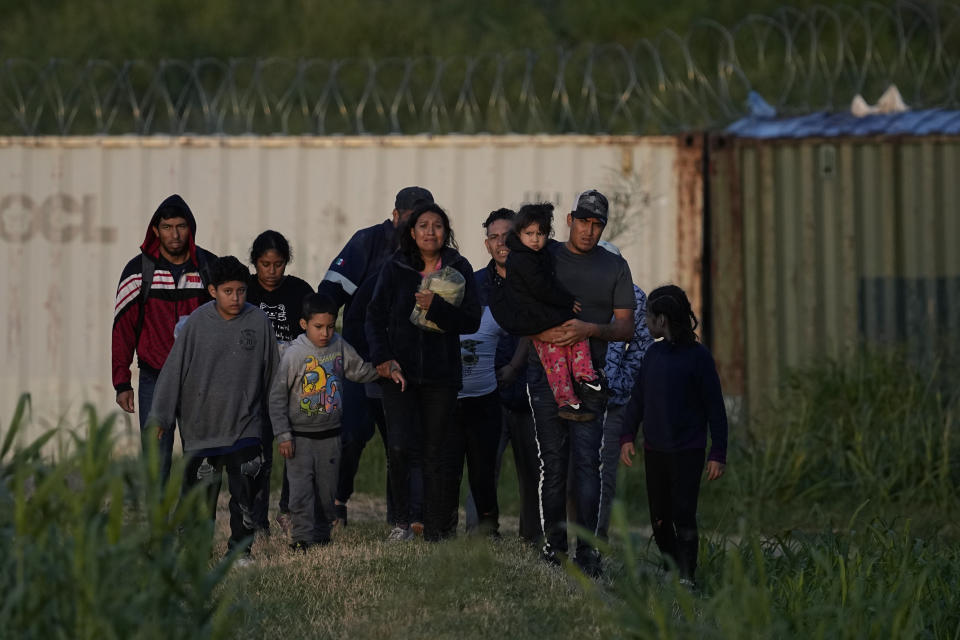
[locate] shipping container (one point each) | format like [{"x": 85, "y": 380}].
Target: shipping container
[
  {"x": 74, "y": 210},
  {"x": 821, "y": 245}
]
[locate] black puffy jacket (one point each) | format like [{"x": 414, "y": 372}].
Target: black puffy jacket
[{"x": 426, "y": 357}]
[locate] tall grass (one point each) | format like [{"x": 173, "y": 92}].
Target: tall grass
[
  {"x": 873, "y": 428},
  {"x": 875, "y": 581},
  {"x": 93, "y": 547}
]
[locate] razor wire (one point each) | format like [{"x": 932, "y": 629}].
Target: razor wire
[{"x": 798, "y": 60}]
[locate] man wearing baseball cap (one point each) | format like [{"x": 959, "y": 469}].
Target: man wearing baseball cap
[{"x": 601, "y": 283}]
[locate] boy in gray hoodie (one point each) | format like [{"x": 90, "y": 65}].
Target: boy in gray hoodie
[
  {"x": 306, "y": 402},
  {"x": 216, "y": 380}
]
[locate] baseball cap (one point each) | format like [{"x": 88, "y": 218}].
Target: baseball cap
[
  {"x": 412, "y": 197},
  {"x": 591, "y": 204}
]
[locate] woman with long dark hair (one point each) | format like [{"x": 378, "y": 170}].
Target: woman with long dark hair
[{"x": 416, "y": 330}]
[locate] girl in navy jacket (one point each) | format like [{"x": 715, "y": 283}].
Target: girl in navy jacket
[{"x": 677, "y": 396}]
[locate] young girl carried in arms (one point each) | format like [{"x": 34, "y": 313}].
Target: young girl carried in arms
[
  {"x": 677, "y": 396},
  {"x": 534, "y": 301}
]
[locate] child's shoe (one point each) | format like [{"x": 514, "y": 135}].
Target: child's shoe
[
  {"x": 243, "y": 561},
  {"x": 593, "y": 391},
  {"x": 417, "y": 528},
  {"x": 575, "y": 413},
  {"x": 284, "y": 521},
  {"x": 299, "y": 546},
  {"x": 400, "y": 534}
]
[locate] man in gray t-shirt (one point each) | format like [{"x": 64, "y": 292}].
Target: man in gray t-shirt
[{"x": 601, "y": 282}]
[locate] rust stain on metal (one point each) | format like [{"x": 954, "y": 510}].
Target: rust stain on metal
[
  {"x": 726, "y": 265},
  {"x": 688, "y": 169}
]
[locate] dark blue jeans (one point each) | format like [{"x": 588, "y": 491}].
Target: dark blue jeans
[
  {"x": 612, "y": 426},
  {"x": 421, "y": 418},
  {"x": 565, "y": 445},
  {"x": 481, "y": 423},
  {"x": 518, "y": 431},
  {"x": 243, "y": 468},
  {"x": 148, "y": 382}
]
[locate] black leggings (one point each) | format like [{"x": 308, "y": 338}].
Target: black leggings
[{"x": 673, "y": 486}]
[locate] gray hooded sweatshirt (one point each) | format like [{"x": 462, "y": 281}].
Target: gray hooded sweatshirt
[
  {"x": 306, "y": 395},
  {"x": 216, "y": 378}
]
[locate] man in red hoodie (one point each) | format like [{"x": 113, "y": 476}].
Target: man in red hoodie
[{"x": 145, "y": 315}]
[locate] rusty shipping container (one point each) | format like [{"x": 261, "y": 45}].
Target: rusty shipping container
[
  {"x": 820, "y": 245},
  {"x": 74, "y": 210}
]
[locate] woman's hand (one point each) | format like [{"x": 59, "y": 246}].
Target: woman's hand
[
  {"x": 397, "y": 376},
  {"x": 627, "y": 451},
  {"x": 576, "y": 306},
  {"x": 424, "y": 299},
  {"x": 384, "y": 369},
  {"x": 715, "y": 469}
]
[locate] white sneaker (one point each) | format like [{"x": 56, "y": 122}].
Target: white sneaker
[
  {"x": 400, "y": 534},
  {"x": 243, "y": 561}
]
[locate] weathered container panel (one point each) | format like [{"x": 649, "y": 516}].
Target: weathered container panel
[
  {"x": 74, "y": 210},
  {"x": 841, "y": 242}
]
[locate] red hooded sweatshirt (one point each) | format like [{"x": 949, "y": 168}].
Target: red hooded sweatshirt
[{"x": 176, "y": 291}]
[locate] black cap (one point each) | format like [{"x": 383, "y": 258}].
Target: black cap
[
  {"x": 410, "y": 198},
  {"x": 591, "y": 204}
]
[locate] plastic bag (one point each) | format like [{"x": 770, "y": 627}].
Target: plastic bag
[{"x": 449, "y": 284}]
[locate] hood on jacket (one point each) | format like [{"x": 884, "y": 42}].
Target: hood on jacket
[
  {"x": 448, "y": 257},
  {"x": 151, "y": 242}
]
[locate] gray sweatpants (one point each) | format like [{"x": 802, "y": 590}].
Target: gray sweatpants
[{"x": 313, "y": 472}]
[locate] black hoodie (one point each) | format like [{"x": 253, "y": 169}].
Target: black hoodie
[{"x": 176, "y": 290}]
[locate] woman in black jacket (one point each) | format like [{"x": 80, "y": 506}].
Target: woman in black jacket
[{"x": 430, "y": 361}]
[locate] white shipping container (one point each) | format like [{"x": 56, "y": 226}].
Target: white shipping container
[{"x": 73, "y": 211}]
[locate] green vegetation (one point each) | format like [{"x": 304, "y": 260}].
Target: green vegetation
[
  {"x": 836, "y": 520},
  {"x": 153, "y": 29},
  {"x": 86, "y": 552}
]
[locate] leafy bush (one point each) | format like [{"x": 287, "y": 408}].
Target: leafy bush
[{"x": 92, "y": 547}]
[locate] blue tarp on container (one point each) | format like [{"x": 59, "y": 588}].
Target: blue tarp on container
[{"x": 925, "y": 122}]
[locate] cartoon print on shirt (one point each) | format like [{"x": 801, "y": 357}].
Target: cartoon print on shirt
[
  {"x": 320, "y": 385},
  {"x": 278, "y": 319}
]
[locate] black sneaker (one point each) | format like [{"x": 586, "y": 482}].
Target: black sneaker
[
  {"x": 552, "y": 557},
  {"x": 575, "y": 413},
  {"x": 592, "y": 391},
  {"x": 299, "y": 546},
  {"x": 589, "y": 562}
]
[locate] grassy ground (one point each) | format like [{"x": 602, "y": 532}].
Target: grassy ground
[{"x": 362, "y": 586}]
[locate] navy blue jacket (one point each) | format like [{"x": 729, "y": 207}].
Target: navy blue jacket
[
  {"x": 677, "y": 396},
  {"x": 514, "y": 395},
  {"x": 359, "y": 260},
  {"x": 426, "y": 357}
]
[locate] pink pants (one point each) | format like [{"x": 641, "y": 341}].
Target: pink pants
[{"x": 563, "y": 365}]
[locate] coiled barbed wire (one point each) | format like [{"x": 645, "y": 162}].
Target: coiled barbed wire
[{"x": 799, "y": 61}]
